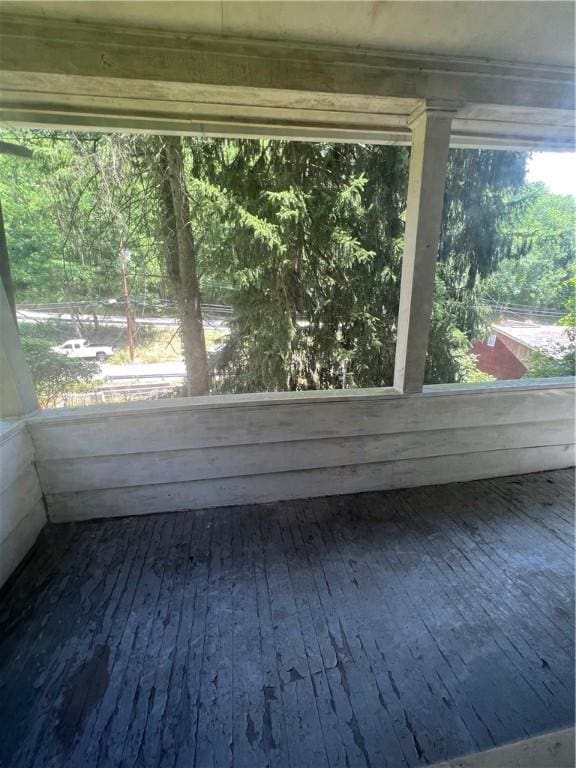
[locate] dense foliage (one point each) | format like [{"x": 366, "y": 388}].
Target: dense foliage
[
  {"x": 67, "y": 212},
  {"x": 483, "y": 198},
  {"x": 562, "y": 364},
  {"x": 563, "y": 361},
  {"x": 542, "y": 253},
  {"x": 304, "y": 240},
  {"x": 52, "y": 373},
  {"x": 311, "y": 239}
]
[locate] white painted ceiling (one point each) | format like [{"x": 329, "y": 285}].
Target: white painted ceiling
[{"x": 513, "y": 30}]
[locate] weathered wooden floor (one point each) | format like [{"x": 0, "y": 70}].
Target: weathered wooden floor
[{"x": 383, "y": 629}]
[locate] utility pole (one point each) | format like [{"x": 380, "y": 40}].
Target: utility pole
[{"x": 124, "y": 259}]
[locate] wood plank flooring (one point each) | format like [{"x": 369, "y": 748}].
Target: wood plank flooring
[{"x": 383, "y": 629}]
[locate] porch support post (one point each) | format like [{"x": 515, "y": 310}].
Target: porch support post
[
  {"x": 430, "y": 125},
  {"x": 17, "y": 391}
]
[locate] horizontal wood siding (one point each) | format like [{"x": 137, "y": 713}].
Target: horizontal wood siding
[
  {"x": 146, "y": 499},
  {"x": 22, "y": 514},
  {"x": 15, "y": 547},
  {"x": 16, "y": 453},
  {"x": 201, "y": 453},
  {"x": 127, "y": 430},
  {"x": 154, "y": 467}
]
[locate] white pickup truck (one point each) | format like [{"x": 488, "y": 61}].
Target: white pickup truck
[{"x": 81, "y": 348}]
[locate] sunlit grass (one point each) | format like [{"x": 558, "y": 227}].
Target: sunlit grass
[{"x": 162, "y": 346}]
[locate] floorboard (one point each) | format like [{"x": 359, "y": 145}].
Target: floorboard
[{"x": 384, "y": 629}]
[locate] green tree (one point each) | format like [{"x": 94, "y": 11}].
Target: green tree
[
  {"x": 542, "y": 253},
  {"x": 68, "y": 209},
  {"x": 31, "y": 230},
  {"x": 563, "y": 363},
  {"x": 54, "y": 374},
  {"x": 563, "y": 360},
  {"x": 483, "y": 198},
  {"x": 311, "y": 240},
  {"x": 180, "y": 251},
  {"x": 303, "y": 239}
]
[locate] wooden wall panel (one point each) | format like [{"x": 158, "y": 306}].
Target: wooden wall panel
[
  {"x": 252, "y": 489},
  {"x": 143, "y": 458},
  {"x": 22, "y": 513},
  {"x": 157, "y": 467},
  {"x": 15, "y": 547},
  {"x": 184, "y": 425},
  {"x": 17, "y": 500},
  {"x": 16, "y": 451}
]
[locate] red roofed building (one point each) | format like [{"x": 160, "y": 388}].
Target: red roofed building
[
  {"x": 506, "y": 354},
  {"x": 497, "y": 360}
]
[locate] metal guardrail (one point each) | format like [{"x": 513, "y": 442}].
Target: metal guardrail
[
  {"x": 136, "y": 376},
  {"x": 67, "y": 307}
]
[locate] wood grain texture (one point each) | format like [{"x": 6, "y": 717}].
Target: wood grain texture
[
  {"x": 180, "y": 425},
  {"x": 16, "y": 451},
  {"x": 86, "y": 77},
  {"x": 431, "y": 128},
  {"x": 18, "y": 499},
  {"x": 151, "y": 468},
  {"x": 249, "y": 489},
  {"x": 22, "y": 513},
  {"x": 394, "y": 629},
  {"x": 17, "y": 543},
  {"x": 217, "y": 451}
]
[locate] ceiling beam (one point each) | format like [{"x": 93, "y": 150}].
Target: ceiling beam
[{"x": 70, "y": 74}]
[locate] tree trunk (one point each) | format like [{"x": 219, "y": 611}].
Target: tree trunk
[
  {"x": 77, "y": 324},
  {"x": 180, "y": 253}
]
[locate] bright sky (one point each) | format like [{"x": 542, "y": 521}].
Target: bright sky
[{"x": 556, "y": 169}]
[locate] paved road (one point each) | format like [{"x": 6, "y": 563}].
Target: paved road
[{"x": 37, "y": 316}]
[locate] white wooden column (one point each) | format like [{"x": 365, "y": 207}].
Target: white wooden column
[
  {"x": 17, "y": 392},
  {"x": 430, "y": 127}
]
